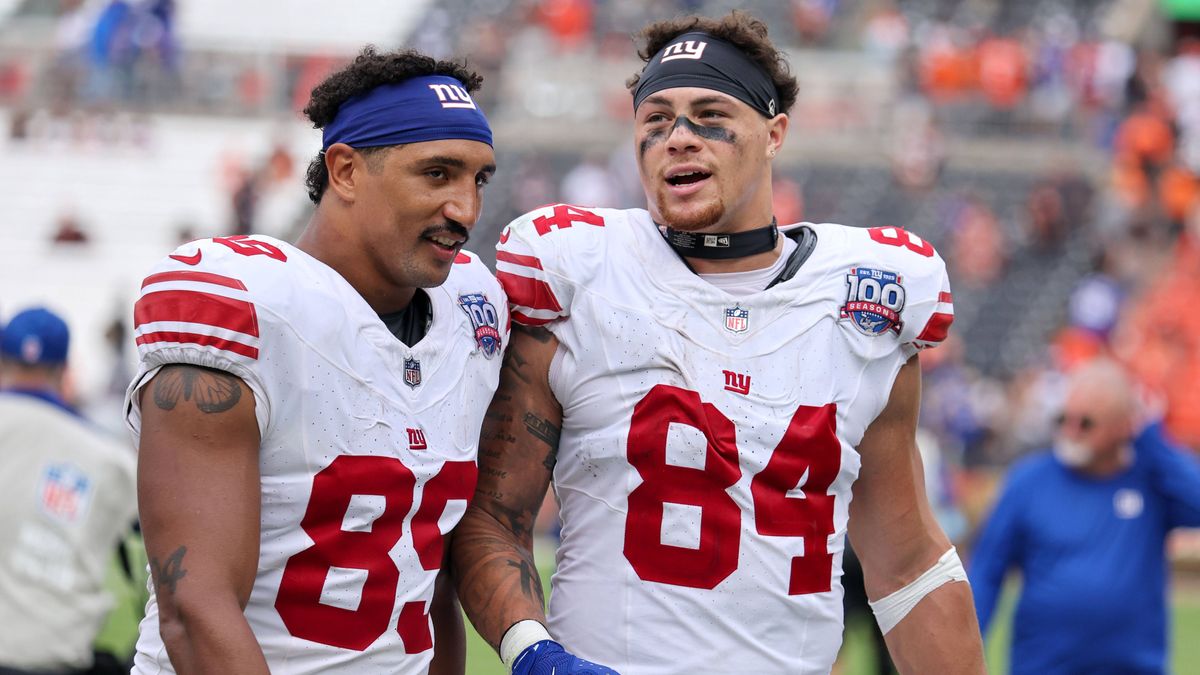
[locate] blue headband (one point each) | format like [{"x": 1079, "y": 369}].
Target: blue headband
[{"x": 430, "y": 108}]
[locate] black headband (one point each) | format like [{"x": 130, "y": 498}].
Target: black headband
[{"x": 701, "y": 60}]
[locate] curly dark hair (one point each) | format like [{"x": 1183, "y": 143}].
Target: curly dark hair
[
  {"x": 371, "y": 69},
  {"x": 737, "y": 28}
]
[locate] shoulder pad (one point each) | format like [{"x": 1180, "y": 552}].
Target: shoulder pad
[{"x": 545, "y": 253}]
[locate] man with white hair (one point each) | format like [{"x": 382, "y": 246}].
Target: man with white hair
[{"x": 1085, "y": 524}]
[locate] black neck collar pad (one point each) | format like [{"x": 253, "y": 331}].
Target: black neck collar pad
[{"x": 723, "y": 246}]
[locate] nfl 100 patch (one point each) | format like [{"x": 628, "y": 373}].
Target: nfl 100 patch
[
  {"x": 874, "y": 300},
  {"x": 412, "y": 373},
  {"x": 485, "y": 321},
  {"x": 65, "y": 492}
]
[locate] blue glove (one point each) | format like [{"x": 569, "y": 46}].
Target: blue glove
[{"x": 549, "y": 658}]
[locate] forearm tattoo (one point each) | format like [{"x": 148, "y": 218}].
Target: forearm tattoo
[{"x": 168, "y": 573}]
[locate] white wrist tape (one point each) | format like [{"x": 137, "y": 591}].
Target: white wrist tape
[
  {"x": 519, "y": 636},
  {"x": 891, "y": 609}
]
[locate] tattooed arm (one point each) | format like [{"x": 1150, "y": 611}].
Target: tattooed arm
[
  {"x": 198, "y": 496},
  {"x": 492, "y": 549}
]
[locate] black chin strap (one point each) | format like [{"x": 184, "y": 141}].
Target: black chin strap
[{"x": 723, "y": 246}]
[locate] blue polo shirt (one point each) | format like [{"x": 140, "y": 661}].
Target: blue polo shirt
[{"x": 1091, "y": 555}]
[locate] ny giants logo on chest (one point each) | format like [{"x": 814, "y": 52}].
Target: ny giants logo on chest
[
  {"x": 484, "y": 320},
  {"x": 874, "y": 300}
]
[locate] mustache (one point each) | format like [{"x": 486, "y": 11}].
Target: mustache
[{"x": 451, "y": 227}]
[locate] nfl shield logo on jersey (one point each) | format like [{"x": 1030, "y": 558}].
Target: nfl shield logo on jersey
[
  {"x": 485, "y": 321},
  {"x": 737, "y": 319},
  {"x": 64, "y": 492},
  {"x": 412, "y": 372},
  {"x": 874, "y": 299}
]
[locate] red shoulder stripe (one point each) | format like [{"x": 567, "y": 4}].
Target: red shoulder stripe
[
  {"x": 937, "y": 328},
  {"x": 201, "y": 277},
  {"x": 518, "y": 259},
  {"x": 198, "y": 339},
  {"x": 195, "y": 307},
  {"x": 945, "y": 297},
  {"x": 526, "y": 292}
]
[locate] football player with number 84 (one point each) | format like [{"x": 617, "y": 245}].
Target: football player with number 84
[{"x": 718, "y": 402}]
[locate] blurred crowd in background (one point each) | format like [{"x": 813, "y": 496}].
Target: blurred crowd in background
[{"x": 1049, "y": 148}]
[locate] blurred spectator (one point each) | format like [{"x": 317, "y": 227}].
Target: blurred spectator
[
  {"x": 812, "y": 18},
  {"x": 885, "y": 33},
  {"x": 69, "y": 231},
  {"x": 1181, "y": 77},
  {"x": 1003, "y": 71},
  {"x": 1145, "y": 136},
  {"x": 1095, "y": 304},
  {"x": 68, "y": 500},
  {"x": 979, "y": 250},
  {"x": 1047, "y": 225},
  {"x": 243, "y": 202},
  {"x": 569, "y": 21},
  {"x": 787, "y": 200},
  {"x": 1086, "y": 525},
  {"x": 1162, "y": 342},
  {"x": 918, "y": 152}
]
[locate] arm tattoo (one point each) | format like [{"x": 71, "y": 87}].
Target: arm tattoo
[
  {"x": 545, "y": 431},
  {"x": 167, "y": 574},
  {"x": 542, "y": 429},
  {"x": 531, "y": 583},
  {"x": 213, "y": 391}
]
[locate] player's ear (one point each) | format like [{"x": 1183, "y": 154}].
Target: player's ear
[
  {"x": 777, "y": 128},
  {"x": 343, "y": 165}
]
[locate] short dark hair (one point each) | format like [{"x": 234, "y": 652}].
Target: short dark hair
[
  {"x": 741, "y": 30},
  {"x": 371, "y": 69}
]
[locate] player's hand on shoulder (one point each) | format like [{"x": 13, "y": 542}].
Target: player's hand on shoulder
[{"x": 547, "y": 657}]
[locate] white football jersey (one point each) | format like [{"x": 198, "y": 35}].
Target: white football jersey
[
  {"x": 368, "y": 446},
  {"x": 708, "y": 441}
]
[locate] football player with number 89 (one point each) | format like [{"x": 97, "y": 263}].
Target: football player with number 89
[
  {"x": 308, "y": 416},
  {"x": 717, "y": 401}
]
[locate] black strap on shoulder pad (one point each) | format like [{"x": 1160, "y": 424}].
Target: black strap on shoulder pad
[{"x": 806, "y": 241}]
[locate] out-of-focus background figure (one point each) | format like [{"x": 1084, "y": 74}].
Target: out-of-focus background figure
[
  {"x": 67, "y": 502},
  {"x": 1086, "y": 524},
  {"x": 1048, "y": 148}
]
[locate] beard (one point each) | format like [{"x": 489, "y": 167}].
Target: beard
[
  {"x": 687, "y": 218},
  {"x": 1072, "y": 453}
]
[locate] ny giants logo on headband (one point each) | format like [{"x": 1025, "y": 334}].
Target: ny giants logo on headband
[
  {"x": 688, "y": 49},
  {"x": 453, "y": 96}
]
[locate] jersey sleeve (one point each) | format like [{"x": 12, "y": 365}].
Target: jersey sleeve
[
  {"x": 928, "y": 306},
  {"x": 197, "y": 308},
  {"x": 530, "y": 262},
  {"x": 932, "y": 309}
]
